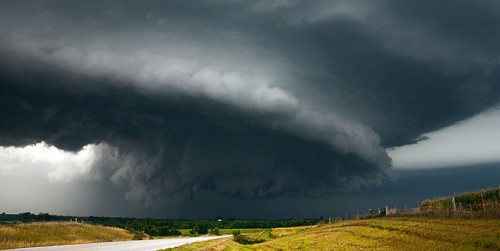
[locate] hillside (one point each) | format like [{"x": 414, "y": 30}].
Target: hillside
[
  {"x": 53, "y": 233},
  {"x": 390, "y": 233}
]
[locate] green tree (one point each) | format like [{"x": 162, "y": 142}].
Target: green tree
[
  {"x": 201, "y": 227},
  {"x": 149, "y": 226},
  {"x": 215, "y": 231}
]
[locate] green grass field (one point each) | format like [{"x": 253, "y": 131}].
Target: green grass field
[
  {"x": 390, "y": 233},
  {"x": 53, "y": 233}
]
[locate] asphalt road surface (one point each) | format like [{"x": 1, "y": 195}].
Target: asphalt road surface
[{"x": 144, "y": 245}]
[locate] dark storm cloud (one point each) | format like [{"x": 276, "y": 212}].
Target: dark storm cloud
[
  {"x": 402, "y": 68},
  {"x": 244, "y": 99},
  {"x": 169, "y": 150}
]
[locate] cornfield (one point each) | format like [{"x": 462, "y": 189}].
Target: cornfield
[{"x": 483, "y": 200}]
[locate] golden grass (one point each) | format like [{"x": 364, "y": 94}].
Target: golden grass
[
  {"x": 54, "y": 233},
  {"x": 283, "y": 231},
  {"x": 377, "y": 234},
  {"x": 212, "y": 245}
]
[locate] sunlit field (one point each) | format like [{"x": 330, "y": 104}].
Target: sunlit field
[
  {"x": 392, "y": 233},
  {"x": 54, "y": 233}
]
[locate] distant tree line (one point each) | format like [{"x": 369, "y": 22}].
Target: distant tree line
[
  {"x": 198, "y": 226},
  {"x": 29, "y": 217},
  {"x": 151, "y": 227},
  {"x": 161, "y": 227}
]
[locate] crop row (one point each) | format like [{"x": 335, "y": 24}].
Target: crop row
[{"x": 471, "y": 201}]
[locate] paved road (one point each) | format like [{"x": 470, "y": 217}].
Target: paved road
[{"x": 144, "y": 245}]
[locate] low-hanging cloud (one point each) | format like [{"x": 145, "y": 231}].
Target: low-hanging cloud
[{"x": 246, "y": 100}]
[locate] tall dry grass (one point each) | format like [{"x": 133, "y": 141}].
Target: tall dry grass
[
  {"x": 57, "y": 233},
  {"x": 487, "y": 200}
]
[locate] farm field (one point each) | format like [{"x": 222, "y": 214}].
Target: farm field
[
  {"x": 53, "y": 233},
  {"x": 390, "y": 233}
]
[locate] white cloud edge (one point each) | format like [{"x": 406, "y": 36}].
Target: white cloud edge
[
  {"x": 475, "y": 140},
  {"x": 55, "y": 164}
]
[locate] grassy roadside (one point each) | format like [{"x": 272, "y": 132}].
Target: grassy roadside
[
  {"x": 402, "y": 233},
  {"x": 54, "y": 233}
]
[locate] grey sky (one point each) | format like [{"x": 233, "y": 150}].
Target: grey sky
[{"x": 163, "y": 102}]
